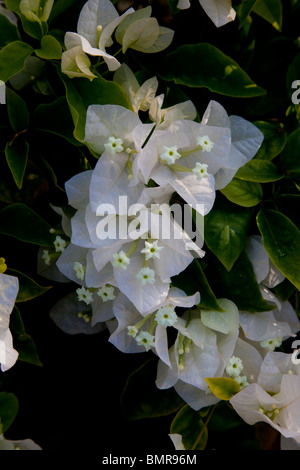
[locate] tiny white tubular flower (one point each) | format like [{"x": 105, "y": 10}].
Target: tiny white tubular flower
[
  {"x": 169, "y": 155},
  {"x": 152, "y": 250},
  {"x": 114, "y": 145},
  {"x": 205, "y": 142},
  {"x": 132, "y": 331},
  {"x": 166, "y": 316},
  {"x": 271, "y": 344},
  {"x": 144, "y": 338},
  {"x": 84, "y": 295},
  {"x": 120, "y": 260},
  {"x": 146, "y": 276},
  {"x": 234, "y": 367},
  {"x": 59, "y": 243},
  {"x": 106, "y": 293},
  {"x": 79, "y": 270},
  {"x": 200, "y": 170},
  {"x": 140, "y": 32},
  {"x": 46, "y": 257}
]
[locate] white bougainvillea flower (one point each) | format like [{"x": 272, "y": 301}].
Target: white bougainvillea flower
[
  {"x": 280, "y": 410},
  {"x": 140, "y": 97},
  {"x": 273, "y": 367},
  {"x": 219, "y": 11},
  {"x": 177, "y": 441},
  {"x": 246, "y": 140},
  {"x": 140, "y": 32},
  {"x": 75, "y": 63},
  {"x": 24, "y": 444},
  {"x": 164, "y": 117},
  {"x": 9, "y": 287},
  {"x": 156, "y": 323}
]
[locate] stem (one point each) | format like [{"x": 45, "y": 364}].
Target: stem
[{"x": 204, "y": 428}]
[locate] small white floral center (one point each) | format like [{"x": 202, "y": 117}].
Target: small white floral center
[
  {"x": 234, "y": 366},
  {"x": 132, "y": 331},
  {"x": 59, "y": 243},
  {"x": 242, "y": 381},
  {"x": 271, "y": 343},
  {"x": 106, "y": 293},
  {"x": 114, "y": 145},
  {"x": 146, "y": 276},
  {"x": 84, "y": 295},
  {"x": 200, "y": 170},
  {"x": 151, "y": 250},
  {"x": 205, "y": 142},
  {"x": 170, "y": 155},
  {"x": 144, "y": 338},
  {"x": 166, "y": 316},
  {"x": 120, "y": 260},
  {"x": 79, "y": 270}
]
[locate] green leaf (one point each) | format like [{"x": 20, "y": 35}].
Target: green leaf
[
  {"x": 223, "y": 387},
  {"x": 50, "y": 48},
  {"x": 17, "y": 111},
  {"x": 28, "y": 288},
  {"x": 8, "y": 32},
  {"x": 16, "y": 153},
  {"x": 259, "y": 171},
  {"x": 192, "y": 280},
  {"x": 12, "y": 58},
  {"x": 290, "y": 155},
  {"x": 55, "y": 118},
  {"x": 226, "y": 227},
  {"x": 81, "y": 94},
  {"x": 19, "y": 221},
  {"x": 271, "y": 11},
  {"x": 275, "y": 138},
  {"x": 203, "y": 65},
  {"x": 34, "y": 29},
  {"x": 142, "y": 399},
  {"x": 243, "y": 193},
  {"x": 239, "y": 284},
  {"x": 243, "y": 10},
  {"x": 189, "y": 424},
  {"x": 9, "y": 407},
  {"x": 23, "y": 342},
  {"x": 281, "y": 240}
]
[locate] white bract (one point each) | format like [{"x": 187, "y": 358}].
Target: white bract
[
  {"x": 219, "y": 11},
  {"x": 9, "y": 287}
]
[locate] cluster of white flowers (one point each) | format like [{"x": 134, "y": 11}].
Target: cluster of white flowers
[
  {"x": 98, "y": 21},
  {"x": 9, "y": 287}
]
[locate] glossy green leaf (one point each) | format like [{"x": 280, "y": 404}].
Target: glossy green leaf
[
  {"x": 290, "y": 155},
  {"x": 271, "y": 11},
  {"x": 12, "y": 58},
  {"x": 80, "y": 96},
  {"x": 203, "y": 65},
  {"x": 275, "y": 138},
  {"x": 243, "y": 10},
  {"x": 223, "y": 387},
  {"x": 243, "y": 193},
  {"x": 226, "y": 227},
  {"x": 239, "y": 284},
  {"x": 19, "y": 221},
  {"x": 16, "y": 153},
  {"x": 193, "y": 280},
  {"x": 17, "y": 111},
  {"x": 142, "y": 399},
  {"x": 9, "y": 407},
  {"x": 8, "y": 32},
  {"x": 23, "y": 342},
  {"x": 28, "y": 288},
  {"x": 281, "y": 240},
  {"x": 259, "y": 171},
  {"x": 50, "y": 48},
  {"x": 189, "y": 424}
]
